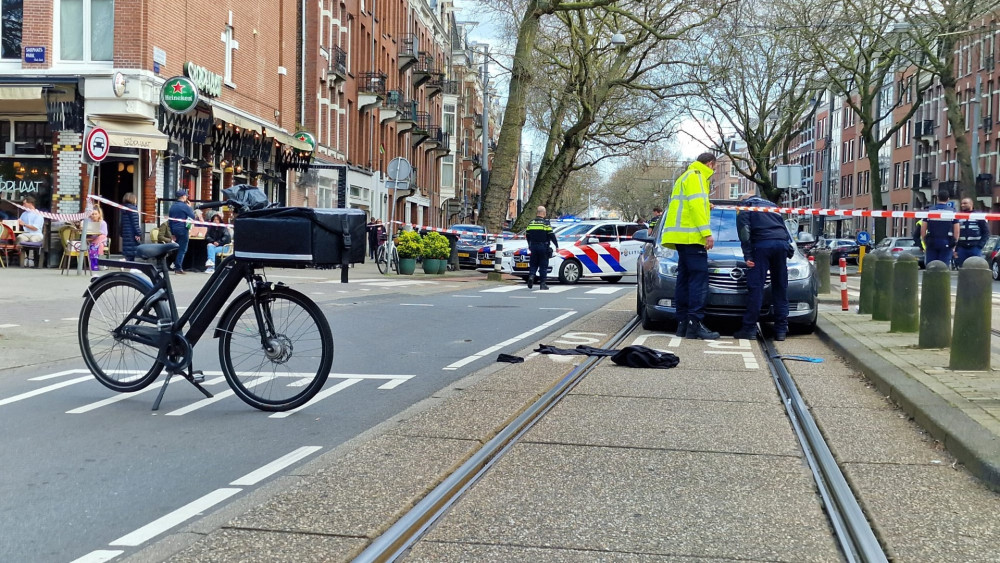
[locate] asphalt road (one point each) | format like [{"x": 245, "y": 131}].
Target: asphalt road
[{"x": 86, "y": 468}]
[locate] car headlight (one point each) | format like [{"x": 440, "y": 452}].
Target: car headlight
[
  {"x": 668, "y": 268},
  {"x": 798, "y": 271}
]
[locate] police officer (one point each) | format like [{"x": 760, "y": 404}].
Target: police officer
[
  {"x": 657, "y": 215},
  {"x": 539, "y": 234},
  {"x": 767, "y": 246},
  {"x": 972, "y": 235},
  {"x": 687, "y": 229},
  {"x": 939, "y": 235}
]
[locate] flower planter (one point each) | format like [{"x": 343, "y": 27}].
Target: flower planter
[
  {"x": 431, "y": 265},
  {"x": 407, "y": 266},
  {"x": 443, "y": 267}
]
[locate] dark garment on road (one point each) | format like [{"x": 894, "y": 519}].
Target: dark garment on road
[
  {"x": 769, "y": 256},
  {"x": 130, "y": 230},
  {"x": 692, "y": 282},
  {"x": 631, "y": 356}
]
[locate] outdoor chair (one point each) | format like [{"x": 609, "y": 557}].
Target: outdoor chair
[{"x": 8, "y": 243}]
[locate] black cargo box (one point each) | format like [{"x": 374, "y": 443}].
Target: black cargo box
[{"x": 300, "y": 236}]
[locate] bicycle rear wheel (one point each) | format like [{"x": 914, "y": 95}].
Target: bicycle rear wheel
[
  {"x": 395, "y": 260},
  {"x": 120, "y": 364},
  {"x": 292, "y": 363},
  {"x": 381, "y": 261}
]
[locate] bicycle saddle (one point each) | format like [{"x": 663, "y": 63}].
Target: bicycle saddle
[{"x": 154, "y": 251}]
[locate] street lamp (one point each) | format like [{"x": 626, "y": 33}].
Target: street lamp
[{"x": 618, "y": 39}]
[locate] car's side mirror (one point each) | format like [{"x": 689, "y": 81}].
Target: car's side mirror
[{"x": 643, "y": 236}]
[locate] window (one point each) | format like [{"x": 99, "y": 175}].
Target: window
[
  {"x": 448, "y": 172},
  {"x": 448, "y": 126},
  {"x": 12, "y": 14},
  {"x": 86, "y": 30}
]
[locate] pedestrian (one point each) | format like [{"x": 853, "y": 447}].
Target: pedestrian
[
  {"x": 372, "y": 230},
  {"x": 539, "y": 234},
  {"x": 657, "y": 214},
  {"x": 972, "y": 235},
  {"x": 131, "y": 227},
  {"x": 767, "y": 246},
  {"x": 181, "y": 215},
  {"x": 939, "y": 235},
  {"x": 687, "y": 230}
]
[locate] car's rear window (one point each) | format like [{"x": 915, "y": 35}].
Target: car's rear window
[{"x": 904, "y": 242}]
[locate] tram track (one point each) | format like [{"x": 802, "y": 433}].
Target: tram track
[{"x": 853, "y": 532}]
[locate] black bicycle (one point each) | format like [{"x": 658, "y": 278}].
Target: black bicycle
[{"x": 275, "y": 344}]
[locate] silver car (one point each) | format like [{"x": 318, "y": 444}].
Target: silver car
[{"x": 727, "y": 287}]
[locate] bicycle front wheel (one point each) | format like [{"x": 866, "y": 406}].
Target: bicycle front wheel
[
  {"x": 120, "y": 364},
  {"x": 381, "y": 260},
  {"x": 281, "y": 365},
  {"x": 395, "y": 260}
]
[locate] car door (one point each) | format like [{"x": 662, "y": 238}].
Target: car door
[{"x": 629, "y": 248}]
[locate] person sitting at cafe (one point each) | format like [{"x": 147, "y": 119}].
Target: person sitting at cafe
[
  {"x": 161, "y": 234},
  {"x": 97, "y": 236},
  {"x": 216, "y": 238},
  {"x": 31, "y": 222}
]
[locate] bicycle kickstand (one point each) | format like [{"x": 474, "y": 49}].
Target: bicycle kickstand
[{"x": 194, "y": 377}]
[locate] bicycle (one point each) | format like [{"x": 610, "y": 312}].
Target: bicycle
[
  {"x": 275, "y": 344},
  {"x": 386, "y": 257}
]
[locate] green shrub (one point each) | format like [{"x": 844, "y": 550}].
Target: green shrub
[
  {"x": 436, "y": 246},
  {"x": 409, "y": 244}
]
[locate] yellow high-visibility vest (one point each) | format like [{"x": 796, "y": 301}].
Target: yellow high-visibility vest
[{"x": 687, "y": 218}]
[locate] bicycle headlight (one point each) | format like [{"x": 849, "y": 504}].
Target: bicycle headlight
[{"x": 798, "y": 270}]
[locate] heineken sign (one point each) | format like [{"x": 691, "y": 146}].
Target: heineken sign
[
  {"x": 179, "y": 95},
  {"x": 207, "y": 81},
  {"x": 307, "y": 138}
]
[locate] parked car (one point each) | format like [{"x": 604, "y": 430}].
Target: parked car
[
  {"x": 839, "y": 248},
  {"x": 472, "y": 239},
  {"x": 991, "y": 252},
  {"x": 894, "y": 246},
  {"x": 727, "y": 287},
  {"x": 589, "y": 249}
]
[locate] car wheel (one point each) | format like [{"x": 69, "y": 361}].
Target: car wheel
[
  {"x": 809, "y": 327},
  {"x": 569, "y": 272},
  {"x": 612, "y": 279},
  {"x": 995, "y": 268}
]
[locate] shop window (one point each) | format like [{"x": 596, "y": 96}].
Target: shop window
[
  {"x": 20, "y": 177},
  {"x": 30, "y": 137},
  {"x": 12, "y": 16},
  {"x": 86, "y": 30}
]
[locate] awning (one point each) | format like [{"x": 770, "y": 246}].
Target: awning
[
  {"x": 132, "y": 134},
  {"x": 246, "y": 123},
  {"x": 21, "y": 100}
]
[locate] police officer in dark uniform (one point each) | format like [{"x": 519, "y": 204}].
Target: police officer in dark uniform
[
  {"x": 539, "y": 234},
  {"x": 939, "y": 235},
  {"x": 972, "y": 235},
  {"x": 767, "y": 246}
]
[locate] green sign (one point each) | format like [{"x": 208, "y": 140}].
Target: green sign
[
  {"x": 307, "y": 138},
  {"x": 207, "y": 81},
  {"x": 179, "y": 95}
]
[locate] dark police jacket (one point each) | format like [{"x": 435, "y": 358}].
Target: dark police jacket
[
  {"x": 755, "y": 226},
  {"x": 973, "y": 233},
  {"x": 939, "y": 230},
  {"x": 539, "y": 231}
]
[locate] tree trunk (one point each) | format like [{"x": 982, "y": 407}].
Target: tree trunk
[
  {"x": 963, "y": 152},
  {"x": 875, "y": 183},
  {"x": 508, "y": 151},
  {"x": 549, "y": 181}
]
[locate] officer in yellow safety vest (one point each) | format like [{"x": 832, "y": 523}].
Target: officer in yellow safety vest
[{"x": 686, "y": 229}]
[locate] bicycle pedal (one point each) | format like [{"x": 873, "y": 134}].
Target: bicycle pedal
[{"x": 198, "y": 376}]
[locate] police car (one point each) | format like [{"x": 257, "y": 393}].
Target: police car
[
  {"x": 487, "y": 256},
  {"x": 589, "y": 249}
]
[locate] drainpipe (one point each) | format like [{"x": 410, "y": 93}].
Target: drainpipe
[{"x": 302, "y": 65}]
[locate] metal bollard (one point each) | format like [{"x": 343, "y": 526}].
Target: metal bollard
[
  {"x": 935, "y": 307},
  {"x": 882, "y": 296},
  {"x": 970, "y": 348},
  {"x": 823, "y": 271},
  {"x": 905, "y": 307},
  {"x": 865, "y": 303}
]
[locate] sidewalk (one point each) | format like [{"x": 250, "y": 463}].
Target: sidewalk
[{"x": 642, "y": 465}]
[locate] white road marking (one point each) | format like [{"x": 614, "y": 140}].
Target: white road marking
[
  {"x": 9, "y": 326},
  {"x": 164, "y": 523},
  {"x": 126, "y": 396},
  {"x": 749, "y": 360},
  {"x": 582, "y": 298},
  {"x": 58, "y": 374},
  {"x": 497, "y": 347},
  {"x": 467, "y": 296},
  {"x": 70, "y": 319},
  {"x": 554, "y": 309},
  {"x": 319, "y": 397},
  {"x": 642, "y": 338},
  {"x": 99, "y": 556},
  {"x": 504, "y": 289},
  {"x": 416, "y": 305},
  {"x": 275, "y": 466},
  {"x": 44, "y": 390},
  {"x": 606, "y": 290},
  {"x": 558, "y": 289}
]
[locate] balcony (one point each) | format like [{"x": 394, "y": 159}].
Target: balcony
[
  {"x": 338, "y": 65},
  {"x": 371, "y": 89},
  {"x": 952, "y": 186},
  {"x": 984, "y": 185},
  {"x": 477, "y": 123},
  {"x": 425, "y": 69},
  {"x": 924, "y": 130},
  {"x": 408, "y": 48},
  {"x": 407, "y": 116},
  {"x": 441, "y": 140},
  {"x": 392, "y": 106},
  {"x": 421, "y": 128},
  {"x": 434, "y": 86},
  {"x": 922, "y": 181},
  {"x": 451, "y": 87}
]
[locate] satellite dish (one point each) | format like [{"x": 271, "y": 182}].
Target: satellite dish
[{"x": 399, "y": 169}]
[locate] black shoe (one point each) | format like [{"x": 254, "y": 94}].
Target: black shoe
[
  {"x": 682, "y": 329},
  {"x": 697, "y": 330},
  {"x": 543, "y": 287},
  {"x": 530, "y": 282},
  {"x": 746, "y": 334},
  {"x": 780, "y": 336}
]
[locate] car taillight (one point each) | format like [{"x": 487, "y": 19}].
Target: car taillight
[{"x": 897, "y": 249}]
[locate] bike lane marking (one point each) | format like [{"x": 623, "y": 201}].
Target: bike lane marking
[
  {"x": 497, "y": 347},
  {"x": 171, "y": 519},
  {"x": 44, "y": 390},
  {"x": 258, "y": 475},
  {"x": 319, "y": 397}
]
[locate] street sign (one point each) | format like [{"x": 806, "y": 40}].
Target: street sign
[
  {"x": 97, "y": 144},
  {"x": 864, "y": 237}
]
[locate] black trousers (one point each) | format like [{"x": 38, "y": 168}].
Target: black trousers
[{"x": 539, "y": 261}]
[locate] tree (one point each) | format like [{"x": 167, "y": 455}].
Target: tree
[{"x": 639, "y": 185}]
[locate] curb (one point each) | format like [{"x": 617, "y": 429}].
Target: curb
[{"x": 967, "y": 440}]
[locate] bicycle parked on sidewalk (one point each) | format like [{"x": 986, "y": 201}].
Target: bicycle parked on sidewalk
[
  {"x": 275, "y": 344},
  {"x": 387, "y": 257}
]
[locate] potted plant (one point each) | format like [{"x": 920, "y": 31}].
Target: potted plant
[
  {"x": 409, "y": 246},
  {"x": 436, "y": 251}
]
